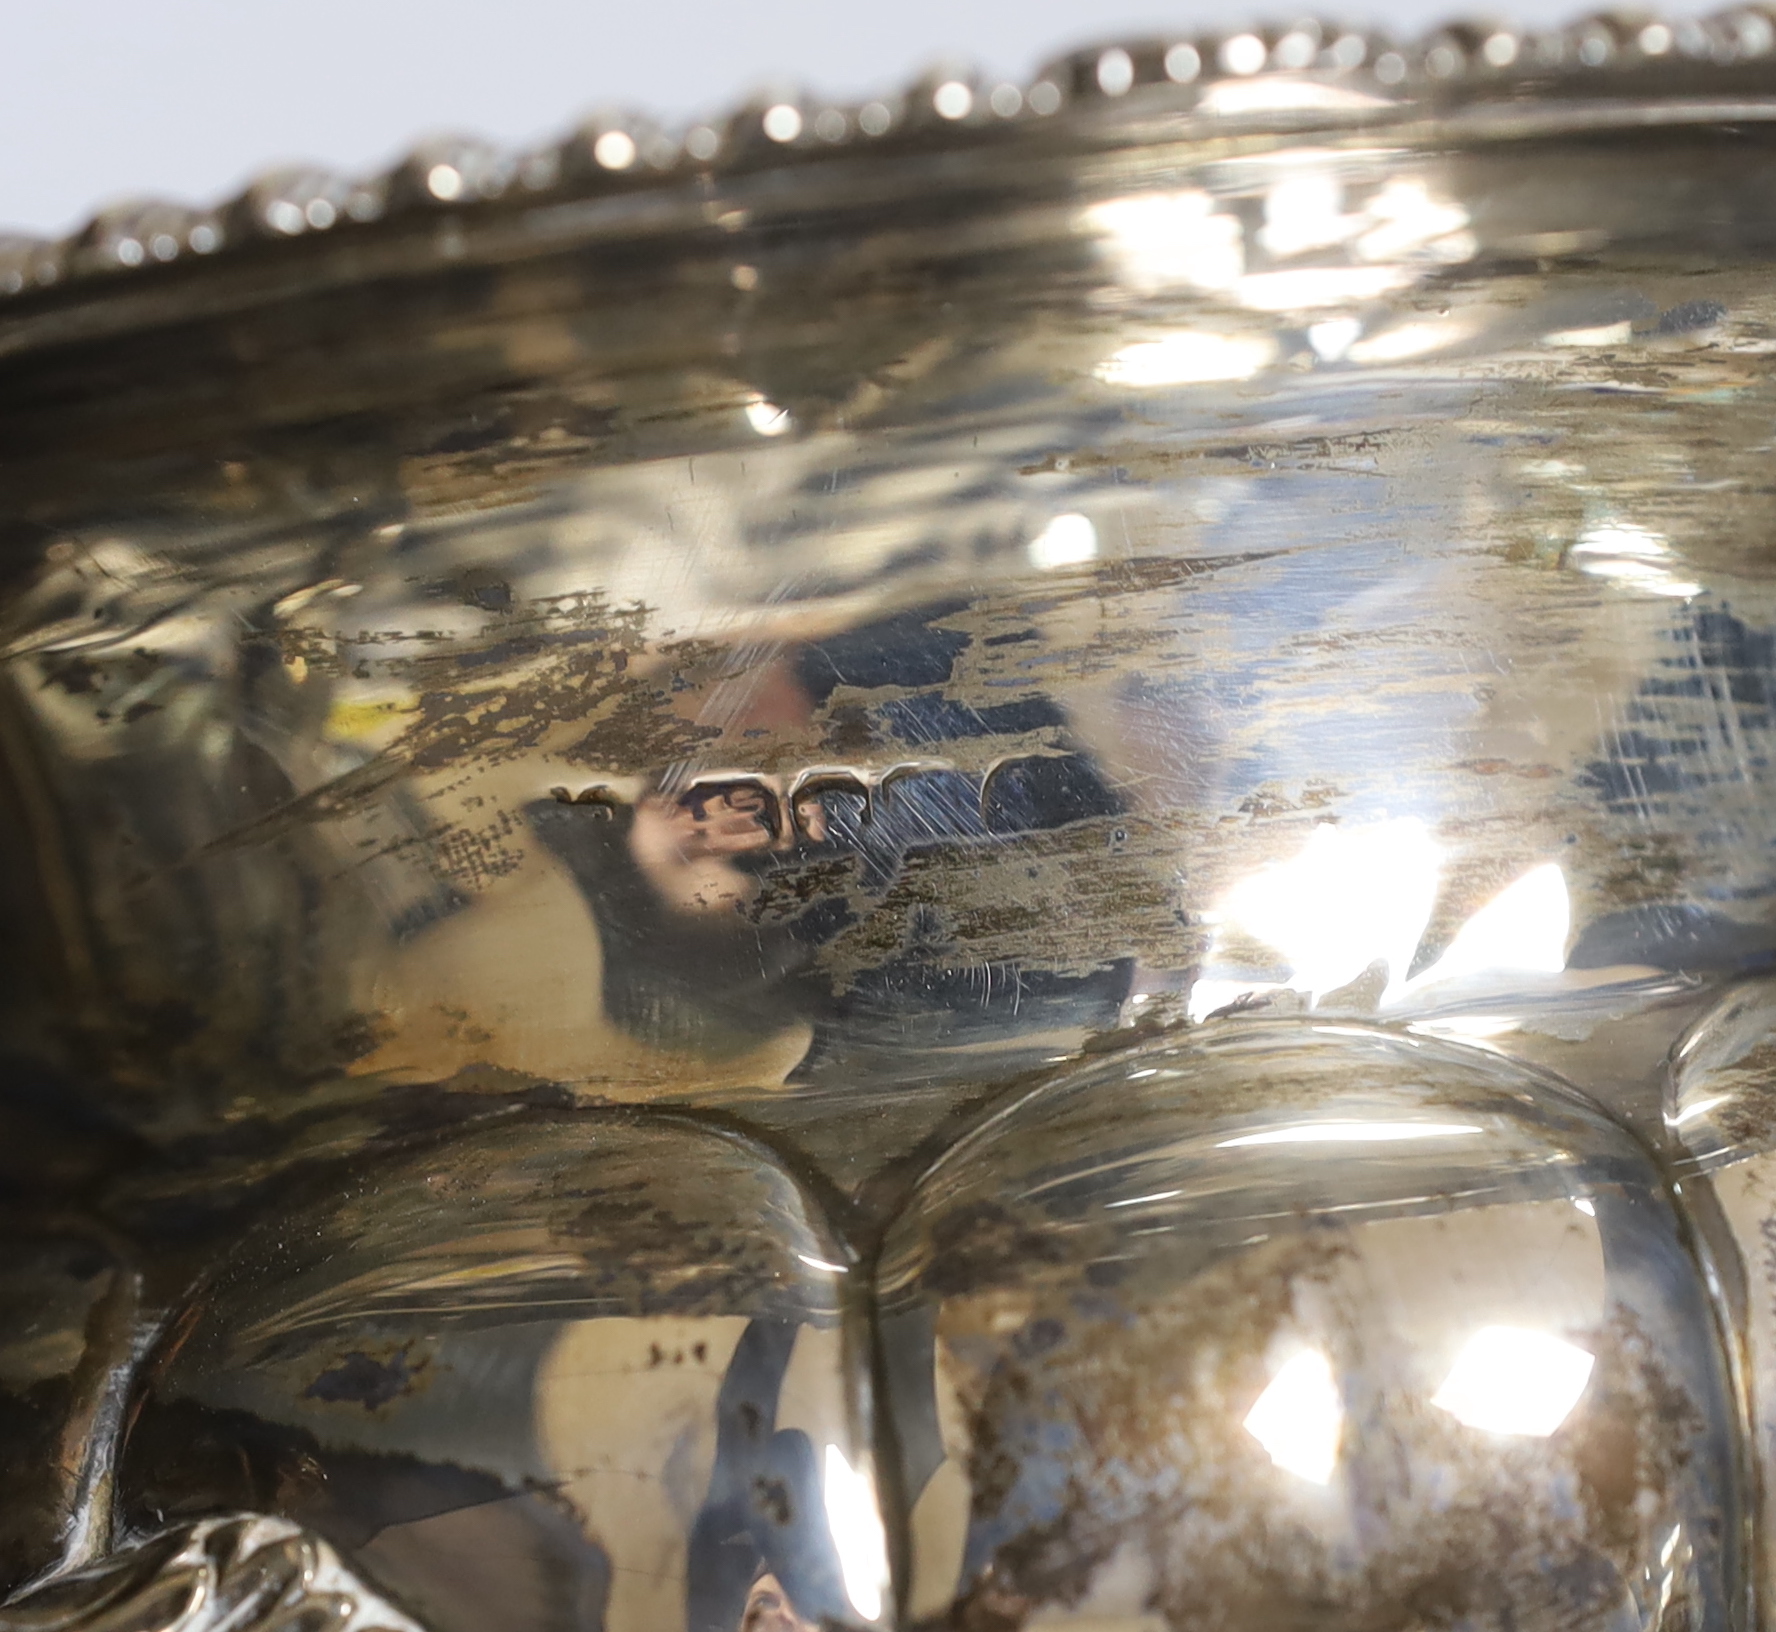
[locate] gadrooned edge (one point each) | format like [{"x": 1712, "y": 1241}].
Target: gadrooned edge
[{"x": 1337, "y": 69}]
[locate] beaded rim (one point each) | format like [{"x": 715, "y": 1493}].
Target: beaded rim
[{"x": 1302, "y": 71}]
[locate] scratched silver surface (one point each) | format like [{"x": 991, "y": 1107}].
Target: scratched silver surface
[{"x": 1021, "y": 879}]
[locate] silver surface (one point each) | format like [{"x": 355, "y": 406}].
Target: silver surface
[{"x": 1007, "y": 875}]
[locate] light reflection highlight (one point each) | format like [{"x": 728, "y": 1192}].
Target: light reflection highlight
[
  {"x": 1472, "y": 1028},
  {"x": 1068, "y": 541},
  {"x": 1182, "y": 64},
  {"x": 1350, "y": 1133},
  {"x": 1351, "y": 898},
  {"x": 1312, "y": 287},
  {"x": 1408, "y": 220},
  {"x": 1303, "y": 212},
  {"x": 1407, "y": 340},
  {"x": 1633, "y": 556},
  {"x": 614, "y": 150},
  {"x": 952, "y": 100},
  {"x": 1168, "y": 240},
  {"x": 1142, "y": 1201},
  {"x": 1701, "y": 1107},
  {"x": 1194, "y": 357},
  {"x": 1299, "y": 1418},
  {"x": 1242, "y": 54},
  {"x": 1332, "y": 338},
  {"x": 1160, "y": 240},
  {"x": 1510, "y": 1380},
  {"x": 1116, "y": 72},
  {"x": 1524, "y": 927},
  {"x": 821, "y": 1263},
  {"x": 1602, "y": 334},
  {"x": 858, "y": 1536},
  {"x": 767, "y": 418},
  {"x": 1350, "y": 910},
  {"x": 782, "y": 122},
  {"x": 1235, "y": 96}
]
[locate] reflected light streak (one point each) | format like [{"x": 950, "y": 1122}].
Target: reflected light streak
[
  {"x": 1523, "y": 927},
  {"x": 1163, "y": 240},
  {"x": 1067, "y": 541},
  {"x": 1303, "y": 212},
  {"x": 1194, "y": 357},
  {"x": 1636, "y": 575},
  {"x": 767, "y": 418},
  {"x": 1701, "y": 1107},
  {"x": 1350, "y": 1133},
  {"x": 857, "y": 1534},
  {"x": 1299, "y": 1418},
  {"x": 1604, "y": 334},
  {"x": 1622, "y": 538},
  {"x": 1274, "y": 95},
  {"x": 1332, "y": 338},
  {"x": 1408, "y": 340},
  {"x": 1408, "y": 219},
  {"x": 1510, "y": 1380},
  {"x": 1630, "y": 555},
  {"x": 1350, "y": 898},
  {"x": 1311, "y": 287},
  {"x": 1475, "y": 1028},
  {"x": 1142, "y": 1201}
]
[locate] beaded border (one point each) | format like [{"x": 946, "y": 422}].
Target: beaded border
[{"x": 1335, "y": 70}]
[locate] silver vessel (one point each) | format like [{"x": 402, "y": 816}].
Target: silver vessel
[{"x": 995, "y": 860}]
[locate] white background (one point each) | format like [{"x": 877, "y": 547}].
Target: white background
[{"x": 106, "y": 99}]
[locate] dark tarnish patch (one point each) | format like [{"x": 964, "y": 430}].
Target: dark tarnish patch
[
  {"x": 773, "y": 1498},
  {"x": 361, "y": 1379},
  {"x": 1118, "y": 871},
  {"x": 977, "y": 1243},
  {"x": 930, "y": 717},
  {"x": 1090, "y": 1434},
  {"x": 907, "y": 649},
  {"x": 1691, "y": 316}
]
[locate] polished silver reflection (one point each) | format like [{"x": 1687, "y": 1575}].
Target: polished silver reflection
[
  {"x": 559, "y": 1374},
  {"x": 996, "y": 860},
  {"x": 1293, "y": 1323}
]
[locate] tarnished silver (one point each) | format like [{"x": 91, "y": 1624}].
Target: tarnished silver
[
  {"x": 245, "y": 1571},
  {"x": 999, "y": 859}
]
